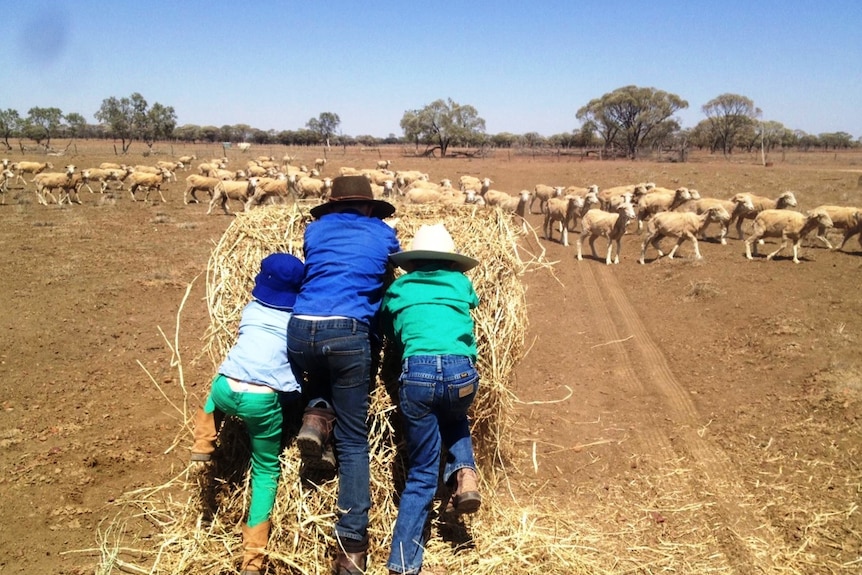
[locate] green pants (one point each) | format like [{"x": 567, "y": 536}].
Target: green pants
[{"x": 262, "y": 415}]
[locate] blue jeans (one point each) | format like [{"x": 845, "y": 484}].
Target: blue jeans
[
  {"x": 335, "y": 356},
  {"x": 436, "y": 392}
]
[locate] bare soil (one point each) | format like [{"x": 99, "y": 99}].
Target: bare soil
[{"x": 714, "y": 404}]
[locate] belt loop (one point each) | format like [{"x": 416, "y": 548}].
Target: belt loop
[{"x": 439, "y": 364}]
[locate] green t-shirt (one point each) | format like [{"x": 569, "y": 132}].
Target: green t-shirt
[{"x": 427, "y": 311}]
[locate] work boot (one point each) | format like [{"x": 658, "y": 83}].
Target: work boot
[
  {"x": 253, "y": 543},
  {"x": 465, "y": 497},
  {"x": 315, "y": 432},
  {"x": 205, "y": 434},
  {"x": 347, "y": 563}
]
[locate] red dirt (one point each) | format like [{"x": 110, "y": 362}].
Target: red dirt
[{"x": 724, "y": 384}]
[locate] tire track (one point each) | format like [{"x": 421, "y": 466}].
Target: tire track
[{"x": 744, "y": 533}]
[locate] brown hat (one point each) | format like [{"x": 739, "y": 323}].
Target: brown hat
[{"x": 353, "y": 190}]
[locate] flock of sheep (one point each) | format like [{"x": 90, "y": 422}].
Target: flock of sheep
[{"x": 681, "y": 214}]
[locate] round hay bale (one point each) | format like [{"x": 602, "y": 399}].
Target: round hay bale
[{"x": 303, "y": 516}]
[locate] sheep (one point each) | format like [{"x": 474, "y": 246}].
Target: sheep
[
  {"x": 5, "y": 176},
  {"x": 196, "y": 183},
  {"x": 306, "y": 187},
  {"x": 466, "y": 182},
  {"x": 606, "y": 194},
  {"x": 784, "y": 200},
  {"x": 349, "y": 171},
  {"x": 496, "y": 197},
  {"x": 148, "y": 182},
  {"x": 112, "y": 166},
  {"x": 287, "y": 159},
  {"x": 319, "y": 163},
  {"x": 404, "y": 178},
  {"x": 270, "y": 189},
  {"x": 186, "y": 161},
  {"x": 701, "y": 205},
  {"x": 383, "y": 191},
  {"x": 422, "y": 195},
  {"x": 105, "y": 175},
  {"x": 47, "y": 181},
  {"x": 517, "y": 205},
  {"x": 682, "y": 226},
  {"x": 34, "y": 168},
  {"x": 383, "y": 164},
  {"x": 789, "y": 225},
  {"x": 208, "y": 168},
  {"x": 561, "y": 210},
  {"x": 376, "y": 176},
  {"x": 597, "y": 223},
  {"x": 171, "y": 166},
  {"x": 231, "y": 190},
  {"x": 590, "y": 201},
  {"x": 243, "y": 146},
  {"x": 543, "y": 193},
  {"x": 845, "y": 218},
  {"x": 661, "y": 201}
]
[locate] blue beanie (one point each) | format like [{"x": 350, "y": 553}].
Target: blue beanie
[{"x": 279, "y": 280}]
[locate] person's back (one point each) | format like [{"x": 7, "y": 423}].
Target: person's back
[{"x": 333, "y": 343}]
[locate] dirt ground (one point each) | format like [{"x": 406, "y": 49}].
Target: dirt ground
[{"x": 711, "y": 407}]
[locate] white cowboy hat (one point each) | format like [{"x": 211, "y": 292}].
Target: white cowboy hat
[{"x": 433, "y": 242}]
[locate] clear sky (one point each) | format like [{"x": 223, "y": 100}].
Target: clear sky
[{"x": 526, "y": 66}]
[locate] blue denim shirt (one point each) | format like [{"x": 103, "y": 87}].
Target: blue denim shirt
[
  {"x": 346, "y": 258},
  {"x": 260, "y": 352}
]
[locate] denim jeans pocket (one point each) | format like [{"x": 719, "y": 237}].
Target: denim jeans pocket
[
  {"x": 416, "y": 398},
  {"x": 462, "y": 391}
]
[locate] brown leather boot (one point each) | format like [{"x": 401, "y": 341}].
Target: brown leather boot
[
  {"x": 465, "y": 497},
  {"x": 314, "y": 434},
  {"x": 205, "y": 434},
  {"x": 347, "y": 563},
  {"x": 253, "y": 543}
]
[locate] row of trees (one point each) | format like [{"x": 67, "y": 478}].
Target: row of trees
[{"x": 627, "y": 121}]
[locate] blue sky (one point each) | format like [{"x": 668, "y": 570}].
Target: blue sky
[{"x": 524, "y": 66}]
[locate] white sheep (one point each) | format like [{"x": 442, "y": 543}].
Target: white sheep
[
  {"x": 543, "y": 193},
  {"x": 196, "y": 183},
  {"x": 47, "y": 181},
  {"x": 387, "y": 190},
  {"x": 5, "y": 176},
  {"x": 422, "y": 195},
  {"x": 612, "y": 226},
  {"x": 561, "y": 210},
  {"x": 319, "y": 163},
  {"x": 112, "y": 166},
  {"x": 308, "y": 187},
  {"x": 516, "y": 205},
  {"x": 607, "y": 194},
  {"x": 232, "y": 190},
  {"x": 148, "y": 181},
  {"x": 383, "y": 164},
  {"x": 376, "y": 176},
  {"x": 404, "y": 178},
  {"x": 742, "y": 212},
  {"x": 701, "y": 205},
  {"x": 845, "y": 218},
  {"x": 243, "y": 146},
  {"x": 269, "y": 189},
  {"x": 788, "y": 225},
  {"x": 663, "y": 200},
  {"x": 682, "y": 226},
  {"x": 26, "y": 167},
  {"x": 348, "y": 171},
  {"x": 186, "y": 161}
]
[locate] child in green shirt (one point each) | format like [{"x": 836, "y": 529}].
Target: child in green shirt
[{"x": 427, "y": 312}]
